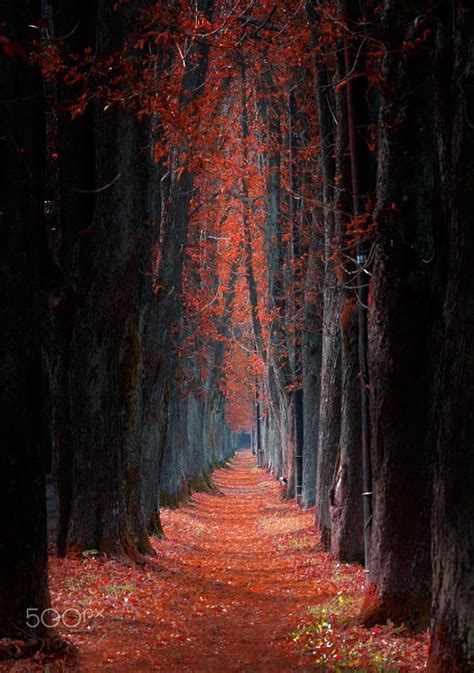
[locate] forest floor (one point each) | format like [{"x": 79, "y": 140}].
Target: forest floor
[{"x": 239, "y": 585}]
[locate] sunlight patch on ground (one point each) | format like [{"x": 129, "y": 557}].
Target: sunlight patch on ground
[{"x": 274, "y": 525}]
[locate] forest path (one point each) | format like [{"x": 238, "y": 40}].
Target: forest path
[
  {"x": 224, "y": 594},
  {"x": 233, "y": 579},
  {"x": 249, "y": 597}
]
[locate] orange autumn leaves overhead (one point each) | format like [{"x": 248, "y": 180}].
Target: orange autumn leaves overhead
[
  {"x": 231, "y": 185},
  {"x": 203, "y": 134}
]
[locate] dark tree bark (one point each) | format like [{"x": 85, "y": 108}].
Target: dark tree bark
[
  {"x": 355, "y": 182},
  {"x": 294, "y": 330},
  {"x": 99, "y": 458},
  {"x": 282, "y": 355},
  {"x": 278, "y": 452},
  {"x": 105, "y": 355},
  {"x": 258, "y": 427},
  {"x": 75, "y": 209},
  {"x": 119, "y": 356},
  {"x": 23, "y": 551},
  {"x": 347, "y": 521},
  {"x": 402, "y": 323},
  {"x": 330, "y": 391},
  {"x": 346, "y": 494},
  {"x": 311, "y": 356},
  {"x": 330, "y": 407},
  {"x": 164, "y": 312},
  {"x": 452, "y": 640}
]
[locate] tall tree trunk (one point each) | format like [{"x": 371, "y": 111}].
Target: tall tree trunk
[
  {"x": 452, "y": 640},
  {"x": 347, "y": 522},
  {"x": 287, "y": 406},
  {"x": 330, "y": 394},
  {"x": 346, "y": 494},
  {"x": 295, "y": 291},
  {"x": 330, "y": 389},
  {"x": 330, "y": 406},
  {"x": 164, "y": 310},
  {"x": 355, "y": 177},
  {"x": 75, "y": 208},
  {"x": 23, "y": 554},
  {"x": 402, "y": 311},
  {"x": 311, "y": 356},
  {"x": 104, "y": 359}
]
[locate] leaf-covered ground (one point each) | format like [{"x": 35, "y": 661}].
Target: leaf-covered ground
[{"x": 238, "y": 585}]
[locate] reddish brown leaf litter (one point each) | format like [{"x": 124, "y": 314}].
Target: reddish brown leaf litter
[{"x": 238, "y": 586}]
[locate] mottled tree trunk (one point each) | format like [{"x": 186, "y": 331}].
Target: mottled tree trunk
[
  {"x": 452, "y": 640},
  {"x": 23, "y": 458}
]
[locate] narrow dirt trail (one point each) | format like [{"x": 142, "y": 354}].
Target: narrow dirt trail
[
  {"x": 225, "y": 591},
  {"x": 248, "y": 593}
]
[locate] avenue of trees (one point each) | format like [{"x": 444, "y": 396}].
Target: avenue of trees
[{"x": 219, "y": 216}]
